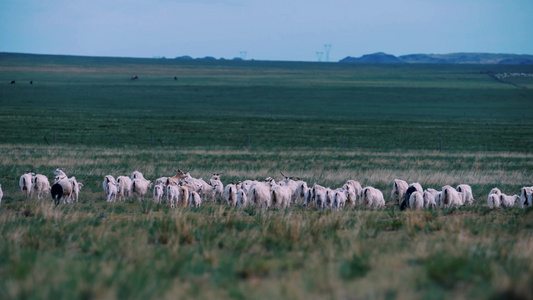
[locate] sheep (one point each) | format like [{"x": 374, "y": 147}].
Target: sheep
[
  {"x": 112, "y": 190},
  {"x": 415, "y": 186},
  {"x": 230, "y": 194},
  {"x": 372, "y": 197},
  {"x": 300, "y": 192},
  {"x": 259, "y": 194},
  {"x": 508, "y": 201},
  {"x": 108, "y": 179},
  {"x": 416, "y": 200},
  {"x": 330, "y": 194},
  {"x": 242, "y": 201},
  {"x": 494, "y": 191},
  {"x": 281, "y": 196},
  {"x": 25, "y": 183},
  {"x": 466, "y": 190},
  {"x": 178, "y": 194},
  {"x": 308, "y": 197},
  {"x": 399, "y": 187},
  {"x": 291, "y": 184},
  {"x": 318, "y": 195},
  {"x": 450, "y": 197},
  {"x": 199, "y": 185},
  {"x": 40, "y": 185},
  {"x": 140, "y": 187},
  {"x": 493, "y": 200},
  {"x": 194, "y": 199},
  {"x": 245, "y": 185},
  {"x": 218, "y": 186},
  {"x": 136, "y": 175},
  {"x": 158, "y": 192},
  {"x": 76, "y": 188},
  {"x": 161, "y": 180},
  {"x": 357, "y": 189},
  {"x": 172, "y": 195},
  {"x": 124, "y": 187},
  {"x": 59, "y": 172},
  {"x": 339, "y": 199},
  {"x": 1, "y": 194},
  {"x": 525, "y": 196},
  {"x": 62, "y": 189},
  {"x": 429, "y": 199},
  {"x": 351, "y": 194}
]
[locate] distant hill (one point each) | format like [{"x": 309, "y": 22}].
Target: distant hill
[
  {"x": 376, "y": 58},
  {"x": 452, "y": 58}
]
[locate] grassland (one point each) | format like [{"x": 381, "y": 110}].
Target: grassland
[{"x": 297, "y": 115}]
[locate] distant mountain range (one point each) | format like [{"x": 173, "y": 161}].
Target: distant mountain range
[{"x": 452, "y": 58}]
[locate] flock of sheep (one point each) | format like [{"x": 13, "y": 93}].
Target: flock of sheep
[{"x": 182, "y": 189}]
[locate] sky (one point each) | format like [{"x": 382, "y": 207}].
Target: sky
[{"x": 293, "y": 30}]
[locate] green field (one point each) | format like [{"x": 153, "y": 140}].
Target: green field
[{"x": 323, "y": 122}]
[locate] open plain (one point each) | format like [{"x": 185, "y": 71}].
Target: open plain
[{"x": 322, "y": 122}]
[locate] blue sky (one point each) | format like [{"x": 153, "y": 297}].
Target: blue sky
[{"x": 266, "y": 30}]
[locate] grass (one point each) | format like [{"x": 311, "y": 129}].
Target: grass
[{"x": 325, "y": 123}]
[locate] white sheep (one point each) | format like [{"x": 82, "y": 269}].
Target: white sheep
[
  {"x": 59, "y": 172},
  {"x": 318, "y": 194},
  {"x": 76, "y": 188},
  {"x": 158, "y": 192},
  {"x": 108, "y": 179},
  {"x": 172, "y": 195},
  {"x": 308, "y": 197},
  {"x": 525, "y": 196},
  {"x": 160, "y": 180},
  {"x": 508, "y": 201},
  {"x": 230, "y": 194},
  {"x": 140, "y": 187},
  {"x": 450, "y": 197},
  {"x": 124, "y": 188},
  {"x": 199, "y": 185},
  {"x": 218, "y": 186},
  {"x": 259, "y": 194},
  {"x": 416, "y": 201},
  {"x": 339, "y": 199},
  {"x": 300, "y": 192},
  {"x": 178, "y": 195},
  {"x": 429, "y": 199},
  {"x": 372, "y": 197},
  {"x": 357, "y": 189},
  {"x": 136, "y": 175},
  {"x": 330, "y": 195},
  {"x": 281, "y": 196},
  {"x": 398, "y": 190},
  {"x": 242, "y": 201},
  {"x": 493, "y": 200},
  {"x": 194, "y": 199},
  {"x": 351, "y": 194},
  {"x": 466, "y": 190},
  {"x": 40, "y": 185},
  {"x": 245, "y": 185},
  {"x": 112, "y": 189},
  {"x": 292, "y": 185},
  {"x": 25, "y": 183},
  {"x": 415, "y": 186}
]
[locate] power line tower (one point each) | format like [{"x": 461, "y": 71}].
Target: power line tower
[
  {"x": 319, "y": 55},
  {"x": 327, "y": 47},
  {"x": 243, "y": 55}
]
